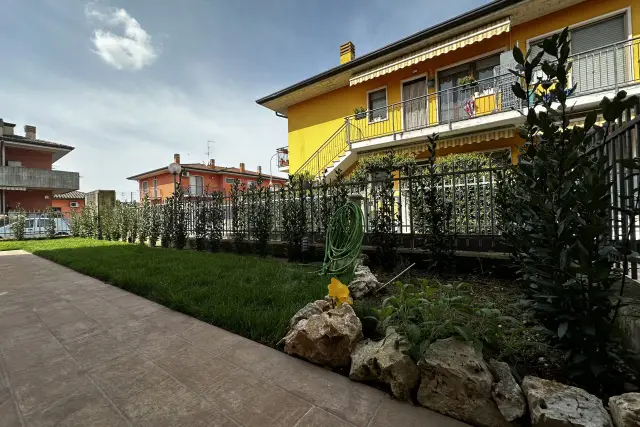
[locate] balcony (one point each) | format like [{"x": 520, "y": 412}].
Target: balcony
[
  {"x": 475, "y": 106},
  {"x": 610, "y": 68},
  {"x": 283, "y": 159},
  {"x": 21, "y": 178}
]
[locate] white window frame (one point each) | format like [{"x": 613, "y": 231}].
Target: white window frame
[
  {"x": 229, "y": 180},
  {"x": 145, "y": 187},
  {"x": 386, "y": 97},
  {"x": 155, "y": 187},
  {"x": 195, "y": 192}
]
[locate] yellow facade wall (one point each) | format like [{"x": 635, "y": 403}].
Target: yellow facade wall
[{"x": 313, "y": 121}]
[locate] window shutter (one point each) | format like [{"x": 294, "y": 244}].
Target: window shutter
[{"x": 594, "y": 65}]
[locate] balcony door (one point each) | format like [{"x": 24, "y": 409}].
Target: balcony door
[{"x": 414, "y": 105}]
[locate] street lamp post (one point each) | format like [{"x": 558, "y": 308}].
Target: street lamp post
[
  {"x": 270, "y": 171},
  {"x": 175, "y": 169}
]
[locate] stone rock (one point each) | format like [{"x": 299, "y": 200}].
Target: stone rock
[
  {"x": 386, "y": 362},
  {"x": 327, "y": 338},
  {"x": 629, "y": 323},
  {"x": 552, "y": 404},
  {"x": 506, "y": 392},
  {"x": 316, "y": 307},
  {"x": 625, "y": 410},
  {"x": 457, "y": 382},
  {"x": 363, "y": 283}
]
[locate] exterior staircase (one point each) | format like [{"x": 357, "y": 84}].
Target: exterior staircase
[{"x": 331, "y": 153}]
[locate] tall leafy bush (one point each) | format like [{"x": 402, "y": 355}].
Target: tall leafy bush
[{"x": 558, "y": 218}]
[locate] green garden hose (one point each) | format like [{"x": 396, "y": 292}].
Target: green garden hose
[{"x": 344, "y": 240}]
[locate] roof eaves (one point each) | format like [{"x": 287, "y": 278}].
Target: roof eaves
[
  {"x": 476, "y": 13},
  {"x": 40, "y": 142}
]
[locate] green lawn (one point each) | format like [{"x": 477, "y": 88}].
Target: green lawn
[{"x": 250, "y": 296}]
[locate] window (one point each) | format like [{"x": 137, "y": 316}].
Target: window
[
  {"x": 155, "y": 187},
  {"x": 14, "y": 163},
  {"x": 377, "y": 104},
  {"x": 145, "y": 188},
  {"x": 595, "y": 60},
  {"x": 230, "y": 180},
  {"x": 454, "y": 99},
  {"x": 196, "y": 186}
]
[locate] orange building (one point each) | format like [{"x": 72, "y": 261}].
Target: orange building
[
  {"x": 27, "y": 177},
  {"x": 198, "y": 179},
  {"x": 67, "y": 202}
]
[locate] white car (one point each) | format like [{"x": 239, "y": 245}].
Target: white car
[{"x": 36, "y": 227}]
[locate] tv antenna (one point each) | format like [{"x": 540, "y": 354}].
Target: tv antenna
[{"x": 209, "y": 142}]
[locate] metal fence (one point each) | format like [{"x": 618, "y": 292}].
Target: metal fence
[
  {"x": 35, "y": 224},
  {"x": 470, "y": 189},
  {"x": 622, "y": 143}
]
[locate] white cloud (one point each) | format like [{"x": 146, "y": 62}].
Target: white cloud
[{"x": 131, "y": 51}]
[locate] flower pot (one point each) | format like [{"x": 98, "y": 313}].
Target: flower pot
[{"x": 360, "y": 116}]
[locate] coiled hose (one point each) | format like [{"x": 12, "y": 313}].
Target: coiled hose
[{"x": 344, "y": 240}]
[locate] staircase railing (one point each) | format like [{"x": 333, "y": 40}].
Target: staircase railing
[{"x": 328, "y": 152}]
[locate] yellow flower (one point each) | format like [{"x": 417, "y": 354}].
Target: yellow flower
[{"x": 339, "y": 292}]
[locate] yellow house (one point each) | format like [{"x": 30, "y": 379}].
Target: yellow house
[{"x": 452, "y": 79}]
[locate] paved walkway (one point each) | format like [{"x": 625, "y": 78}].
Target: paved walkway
[{"x": 78, "y": 352}]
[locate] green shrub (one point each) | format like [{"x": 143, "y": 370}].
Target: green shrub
[
  {"x": 432, "y": 212},
  {"x": 215, "y": 220},
  {"x": 50, "y": 222},
  {"x": 18, "y": 224},
  {"x": 558, "y": 220},
  {"x": 430, "y": 311}
]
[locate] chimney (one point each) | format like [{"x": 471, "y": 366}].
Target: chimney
[
  {"x": 176, "y": 158},
  {"x": 259, "y": 170},
  {"x": 347, "y": 52},
  {"x": 7, "y": 128},
  {"x": 212, "y": 163},
  {"x": 242, "y": 167},
  {"x": 30, "y": 131}
]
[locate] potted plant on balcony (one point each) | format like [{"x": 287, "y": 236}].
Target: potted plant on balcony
[
  {"x": 360, "y": 113},
  {"x": 468, "y": 82}
]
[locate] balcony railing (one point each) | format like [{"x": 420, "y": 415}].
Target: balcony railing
[
  {"x": 608, "y": 68},
  {"x": 282, "y": 157},
  {"x": 31, "y": 178}
]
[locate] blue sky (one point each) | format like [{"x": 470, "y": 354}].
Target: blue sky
[{"x": 130, "y": 82}]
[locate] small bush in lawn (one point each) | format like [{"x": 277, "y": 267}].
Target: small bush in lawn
[
  {"x": 167, "y": 224},
  {"x": 74, "y": 225},
  {"x": 200, "y": 205},
  {"x": 294, "y": 214},
  {"x": 18, "y": 225},
  {"x": 179, "y": 218},
  {"x": 215, "y": 220},
  {"x": 262, "y": 215},
  {"x": 155, "y": 223},
  {"x": 238, "y": 201},
  {"x": 50, "y": 222},
  {"x": 145, "y": 220}
]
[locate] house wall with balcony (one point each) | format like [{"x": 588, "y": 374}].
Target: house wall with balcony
[
  {"x": 313, "y": 121},
  {"x": 30, "y": 200},
  {"x": 29, "y": 158}
]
